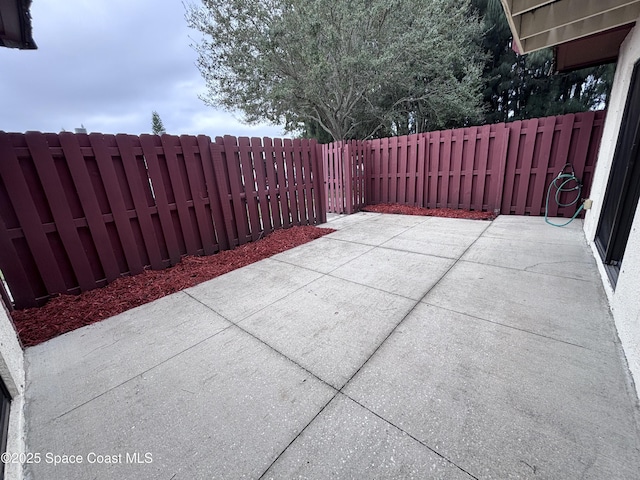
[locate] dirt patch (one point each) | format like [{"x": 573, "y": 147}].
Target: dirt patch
[
  {"x": 428, "y": 212},
  {"x": 68, "y": 312}
]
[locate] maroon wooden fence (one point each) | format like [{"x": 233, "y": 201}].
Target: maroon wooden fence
[
  {"x": 505, "y": 168},
  {"x": 537, "y": 151},
  {"x": 78, "y": 211}
]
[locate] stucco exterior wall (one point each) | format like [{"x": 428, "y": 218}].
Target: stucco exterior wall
[
  {"x": 13, "y": 376},
  {"x": 625, "y": 299}
]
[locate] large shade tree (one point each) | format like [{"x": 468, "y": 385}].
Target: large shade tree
[{"x": 353, "y": 68}]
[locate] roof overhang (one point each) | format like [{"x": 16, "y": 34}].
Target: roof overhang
[
  {"x": 538, "y": 24},
  {"x": 15, "y": 24},
  {"x": 596, "y": 49}
]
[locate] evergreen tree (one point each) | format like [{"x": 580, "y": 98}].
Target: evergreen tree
[
  {"x": 526, "y": 86},
  {"x": 157, "y": 127}
]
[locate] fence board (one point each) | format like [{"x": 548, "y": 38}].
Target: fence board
[
  {"x": 362, "y": 168},
  {"x": 348, "y": 183},
  {"x": 525, "y": 168},
  {"x": 308, "y": 152},
  {"x": 259, "y": 166},
  {"x": 375, "y": 174},
  {"x": 170, "y": 146},
  {"x": 288, "y": 150},
  {"x": 328, "y": 175},
  {"x": 220, "y": 229},
  {"x": 86, "y": 194},
  {"x": 249, "y": 187},
  {"x": 580, "y": 160},
  {"x": 402, "y": 169},
  {"x": 60, "y": 209},
  {"x": 282, "y": 182},
  {"x": 540, "y": 175},
  {"x": 298, "y": 180},
  {"x": 445, "y": 146},
  {"x": 412, "y": 147},
  {"x": 502, "y": 146},
  {"x": 455, "y": 193},
  {"x": 386, "y": 177},
  {"x": 340, "y": 176},
  {"x": 422, "y": 160},
  {"x": 27, "y": 213},
  {"x": 238, "y": 199},
  {"x": 139, "y": 199},
  {"x": 189, "y": 145},
  {"x": 24, "y": 295},
  {"x": 353, "y": 174},
  {"x": 224, "y": 191},
  {"x": 148, "y": 143},
  {"x": 393, "y": 169},
  {"x": 483, "y": 161},
  {"x": 276, "y": 214},
  {"x": 318, "y": 185},
  {"x": 468, "y": 164},
  {"x": 332, "y": 178},
  {"x": 515, "y": 130},
  {"x": 338, "y": 165},
  {"x": 438, "y": 177},
  {"x": 116, "y": 202}
]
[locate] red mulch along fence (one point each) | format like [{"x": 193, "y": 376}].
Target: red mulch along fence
[
  {"x": 78, "y": 211},
  {"x": 505, "y": 168}
]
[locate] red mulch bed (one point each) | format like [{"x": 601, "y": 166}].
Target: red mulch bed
[
  {"x": 429, "y": 212},
  {"x": 68, "y": 312}
]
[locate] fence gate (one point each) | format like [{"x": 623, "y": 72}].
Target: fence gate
[{"x": 344, "y": 168}]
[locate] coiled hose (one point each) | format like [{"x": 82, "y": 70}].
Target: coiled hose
[{"x": 560, "y": 184}]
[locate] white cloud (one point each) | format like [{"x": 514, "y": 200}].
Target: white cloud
[{"x": 108, "y": 65}]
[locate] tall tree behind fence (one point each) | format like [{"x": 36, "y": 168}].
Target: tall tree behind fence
[
  {"x": 78, "y": 211},
  {"x": 505, "y": 168}
]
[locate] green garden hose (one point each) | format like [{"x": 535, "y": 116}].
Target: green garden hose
[{"x": 564, "y": 178}]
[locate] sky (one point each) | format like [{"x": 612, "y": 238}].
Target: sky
[{"x": 107, "y": 65}]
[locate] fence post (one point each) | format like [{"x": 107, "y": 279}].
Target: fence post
[
  {"x": 502, "y": 136},
  {"x": 320, "y": 182},
  {"x": 347, "y": 178},
  {"x": 367, "y": 174}
]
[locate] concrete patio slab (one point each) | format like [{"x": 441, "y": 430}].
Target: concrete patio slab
[
  {"x": 233, "y": 295},
  {"x": 562, "y": 260},
  {"x": 399, "y": 220},
  {"x": 225, "y": 408},
  {"x": 509, "y": 367},
  {"x": 435, "y": 237},
  {"x": 90, "y": 361},
  {"x": 347, "y": 438},
  {"x": 330, "y": 326},
  {"x": 502, "y": 403},
  {"x": 323, "y": 255},
  {"x": 457, "y": 226},
  {"x": 395, "y": 271},
  {"x": 561, "y": 308},
  {"x": 344, "y": 221},
  {"x": 535, "y": 229},
  {"x": 368, "y": 233}
]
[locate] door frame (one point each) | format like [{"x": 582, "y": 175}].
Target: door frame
[{"x": 623, "y": 187}]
